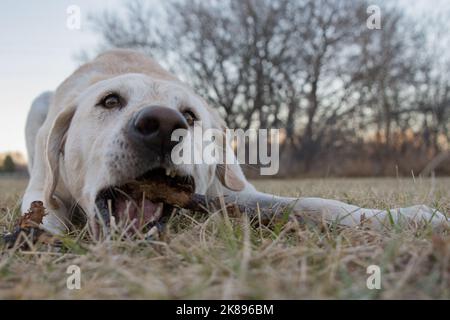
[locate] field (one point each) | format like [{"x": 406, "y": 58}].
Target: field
[{"x": 226, "y": 258}]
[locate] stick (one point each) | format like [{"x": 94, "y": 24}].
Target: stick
[{"x": 269, "y": 208}]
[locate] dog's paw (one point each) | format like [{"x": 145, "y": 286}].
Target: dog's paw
[
  {"x": 28, "y": 229},
  {"x": 52, "y": 224}
]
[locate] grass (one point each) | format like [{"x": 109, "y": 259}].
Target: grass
[{"x": 223, "y": 257}]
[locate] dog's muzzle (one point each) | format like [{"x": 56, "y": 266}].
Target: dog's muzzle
[{"x": 149, "y": 134}]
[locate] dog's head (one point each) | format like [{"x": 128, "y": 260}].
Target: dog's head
[{"x": 119, "y": 131}]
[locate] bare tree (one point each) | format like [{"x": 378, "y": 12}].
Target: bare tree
[{"x": 310, "y": 67}]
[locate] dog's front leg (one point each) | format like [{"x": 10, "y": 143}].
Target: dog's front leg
[
  {"x": 351, "y": 215},
  {"x": 341, "y": 213},
  {"x": 56, "y": 220}
]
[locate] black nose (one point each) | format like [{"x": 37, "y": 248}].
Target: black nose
[{"x": 152, "y": 128}]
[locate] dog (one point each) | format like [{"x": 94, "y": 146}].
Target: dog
[{"x": 110, "y": 123}]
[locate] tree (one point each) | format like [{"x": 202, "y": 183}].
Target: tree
[
  {"x": 8, "y": 164},
  {"x": 309, "y": 67}
]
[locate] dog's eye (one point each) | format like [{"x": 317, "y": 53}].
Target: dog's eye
[
  {"x": 190, "y": 117},
  {"x": 112, "y": 101}
]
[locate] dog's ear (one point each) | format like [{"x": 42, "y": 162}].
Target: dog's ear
[
  {"x": 54, "y": 149},
  {"x": 228, "y": 175}
]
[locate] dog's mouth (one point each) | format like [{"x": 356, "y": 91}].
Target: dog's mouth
[{"x": 139, "y": 202}]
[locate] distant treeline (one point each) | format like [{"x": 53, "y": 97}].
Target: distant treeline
[{"x": 12, "y": 163}]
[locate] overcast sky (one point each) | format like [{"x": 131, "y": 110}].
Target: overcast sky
[{"x": 37, "y": 53}]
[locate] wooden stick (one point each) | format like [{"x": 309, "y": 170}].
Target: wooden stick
[{"x": 269, "y": 208}]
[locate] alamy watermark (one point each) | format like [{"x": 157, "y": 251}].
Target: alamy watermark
[
  {"x": 214, "y": 146},
  {"x": 73, "y": 21},
  {"x": 373, "y": 22},
  {"x": 374, "y": 280},
  {"x": 73, "y": 281}
]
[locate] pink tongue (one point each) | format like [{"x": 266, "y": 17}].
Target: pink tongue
[{"x": 142, "y": 212}]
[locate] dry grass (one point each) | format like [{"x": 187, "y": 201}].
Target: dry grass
[{"x": 219, "y": 257}]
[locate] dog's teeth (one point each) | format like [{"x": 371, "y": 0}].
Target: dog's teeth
[
  {"x": 159, "y": 210},
  {"x": 167, "y": 172}
]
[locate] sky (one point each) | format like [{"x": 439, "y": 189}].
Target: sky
[{"x": 37, "y": 52}]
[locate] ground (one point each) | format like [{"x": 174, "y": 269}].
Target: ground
[{"x": 220, "y": 257}]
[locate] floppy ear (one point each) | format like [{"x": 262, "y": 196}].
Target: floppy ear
[
  {"x": 228, "y": 175},
  {"x": 54, "y": 148}
]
